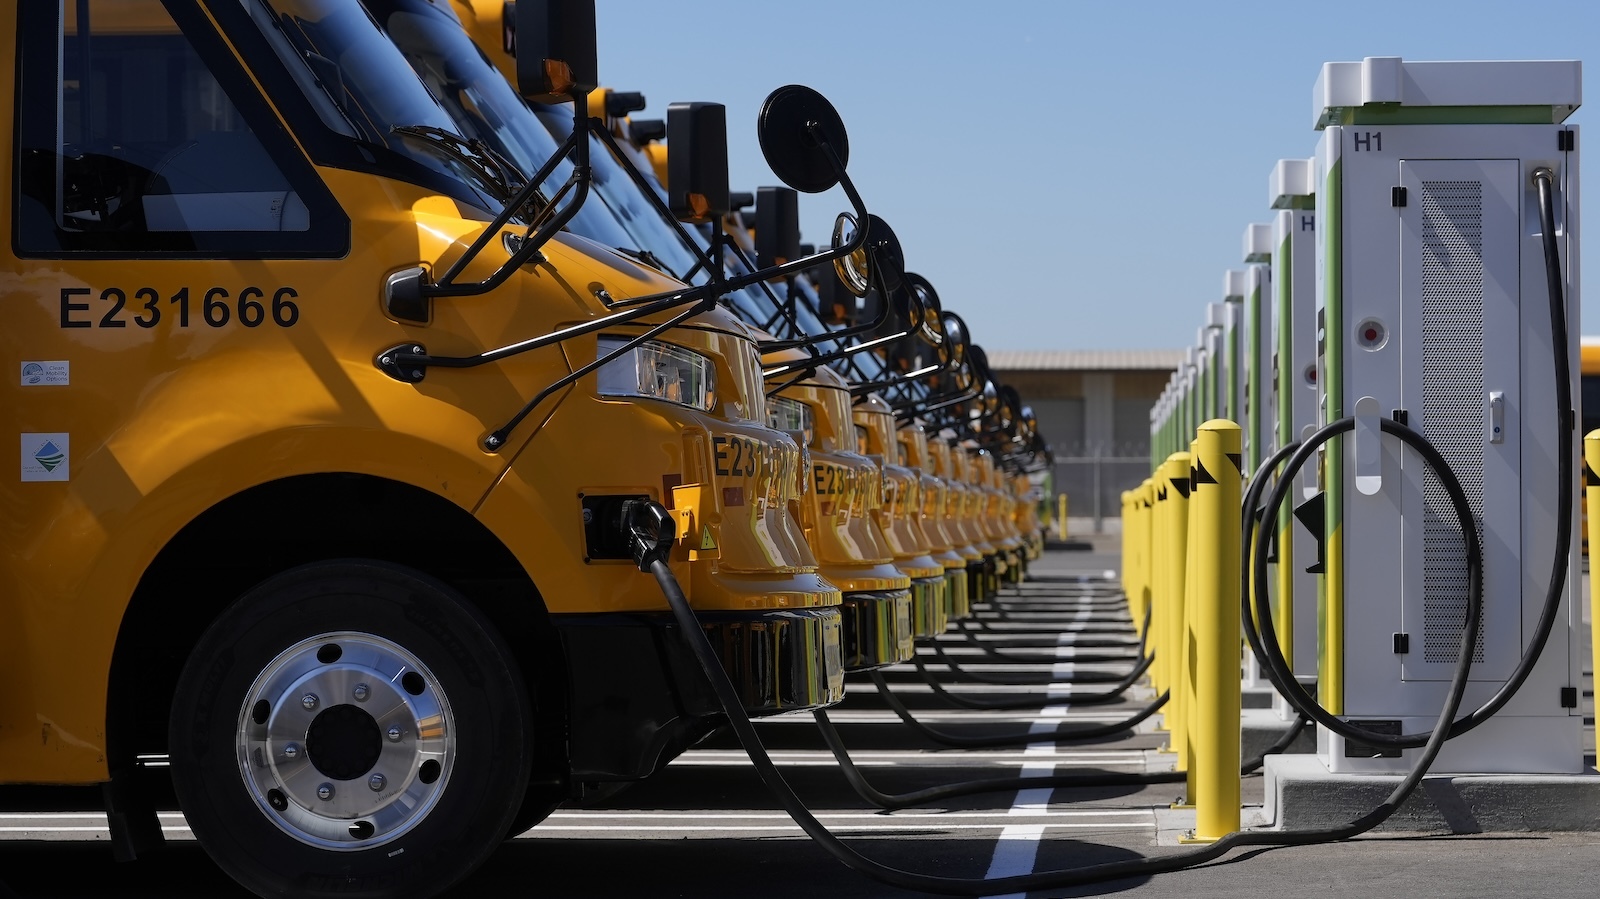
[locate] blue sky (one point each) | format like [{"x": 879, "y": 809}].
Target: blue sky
[{"x": 1068, "y": 175}]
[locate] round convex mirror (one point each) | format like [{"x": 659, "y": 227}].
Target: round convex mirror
[
  {"x": 929, "y": 324},
  {"x": 853, "y": 270},
  {"x": 955, "y": 336},
  {"x": 797, "y": 127}
]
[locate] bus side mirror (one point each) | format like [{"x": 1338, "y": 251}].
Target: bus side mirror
[
  {"x": 555, "y": 47},
  {"x": 928, "y": 321},
  {"x": 697, "y": 162},
  {"x": 955, "y": 337},
  {"x": 777, "y": 226},
  {"x": 803, "y": 138}
]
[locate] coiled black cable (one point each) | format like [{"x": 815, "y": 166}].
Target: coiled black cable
[
  {"x": 1254, "y": 519},
  {"x": 728, "y": 695},
  {"x": 1080, "y": 677},
  {"x": 871, "y": 794},
  {"x": 728, "y": 698},
  {"x": 1092, "y": 732},
  {"x": 1098, "y": 698}
]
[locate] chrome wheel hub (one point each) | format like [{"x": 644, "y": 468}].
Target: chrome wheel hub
[{"x": 345, "y": 741}]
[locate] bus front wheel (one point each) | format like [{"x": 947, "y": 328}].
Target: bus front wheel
[{"x": 350, "y": 728}]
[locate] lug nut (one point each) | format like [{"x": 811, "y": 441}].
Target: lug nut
[
  {"x": 377, "y": 782},
  {"x": 362, "y": 691},
  {"x": 291, "y": 750},
  {"x": 394, "y": 733},
  {"x": 309, "y": 701},
  {"x": 325, "y": 792}
]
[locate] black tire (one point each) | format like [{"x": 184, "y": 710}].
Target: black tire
[{"x": 240, "y": 690}]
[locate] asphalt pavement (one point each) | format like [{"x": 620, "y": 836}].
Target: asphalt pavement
[{"x": 707, "y": 827}]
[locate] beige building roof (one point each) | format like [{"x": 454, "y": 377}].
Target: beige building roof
[{"x": 1085, "y": 360}]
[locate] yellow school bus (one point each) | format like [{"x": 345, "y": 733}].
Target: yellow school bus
[{"x": 328, "y": 417}]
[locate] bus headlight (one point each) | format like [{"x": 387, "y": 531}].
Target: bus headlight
[
  {"x": 787, "y": 414},
  {"x": 658, "y": 371}
]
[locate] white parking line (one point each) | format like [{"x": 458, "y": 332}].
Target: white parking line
[
  {"x": 1145, "y": 815},
  {"x": 1017, "y": 847},
  {"x": 637, "y": 830},
  {"x": 958, "y": 717},
  {"x": 1013, "y": 756}
]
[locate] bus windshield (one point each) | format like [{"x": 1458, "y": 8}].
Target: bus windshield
[
  {"x": 652, "y": 232},
  {"x": 483, "y": 105},
  {"x": 362, "y": 88}
]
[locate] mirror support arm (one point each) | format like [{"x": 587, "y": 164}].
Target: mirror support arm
[
  {"x": 825, "y": 358},
  {"x": 408, "y": 294},
  {"x": 497, "y": 439},
  {"x": 913, "y": 408}
]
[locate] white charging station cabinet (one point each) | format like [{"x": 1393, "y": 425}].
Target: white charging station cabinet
[
  {"x": 1232, "y": 312},
  {"x": 1291, "y": 191},
  {"x": 1257, "y": 347},
  {"x": 1189, "y": 391},
  {"x": 1214, "y": 367},
  {"x": 1434, "y": 310}
]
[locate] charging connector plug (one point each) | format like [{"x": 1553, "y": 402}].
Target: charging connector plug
[{"x": 649, "y": 530}]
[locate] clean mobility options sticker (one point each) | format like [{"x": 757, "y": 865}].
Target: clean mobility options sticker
[
  {"x": 45, "y": 457},
  {"x": 46, "y": 374}
]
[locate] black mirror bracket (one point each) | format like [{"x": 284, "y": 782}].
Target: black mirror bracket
[
  {"x": 405, "y": 363},
  {"x": 408, "y": 294}
]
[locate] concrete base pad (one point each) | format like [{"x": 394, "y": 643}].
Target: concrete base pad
[
  {"x": 1257, "y": 697},
  {"x": 1301, "y": 793},
  {"x": 1260, "y": 728}
]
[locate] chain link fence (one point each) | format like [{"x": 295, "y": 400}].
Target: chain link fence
[{"x": 1094, "y": 483}]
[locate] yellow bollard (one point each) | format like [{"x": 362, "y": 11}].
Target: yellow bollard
[
  {"x": 1591, "y": 489},
  {"x": 1135, "y": 567},
  {"x": 1147, "y": 534},
  {"x": 1156, "y": 599},
  {"x": 1132, "y": 563},
  {"x": 1170, "y": 559},
  {"x": 1182, "y": 644},
  {"x": 1214, "y": 721},
  {"x": 1061, "y": 516},
  {"x": 1128, "y": 525},
  {"x": 1146, "y": 502}
]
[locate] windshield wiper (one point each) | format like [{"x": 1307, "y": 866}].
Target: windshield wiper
[
  {"x": 648, "y": 258},
  {"x": 495, "y": 170}
]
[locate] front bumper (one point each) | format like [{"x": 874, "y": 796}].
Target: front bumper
[
  {"x": 877, "y": 629},
  {"x": 958, "y": 603},
  {"x": 636, "y": 697},
  {"x": 1035, "y": 543},
  {"x": 982, "y": 583},
  {"x": 1016, "y": 566},
  {"x": 929, "y": 617}
]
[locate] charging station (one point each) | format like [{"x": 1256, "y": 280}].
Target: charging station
[
  {"x": 1219, "y": 373},
  {"x": 1291, "y": 191},
  {"x": 1182, "y": 394},
  {"x": 1231, "y": 395},
  {"x": 1257, "y": 350},
  {"x": 1193, "y": 386},
  {"x": 1433, "y": 311}
]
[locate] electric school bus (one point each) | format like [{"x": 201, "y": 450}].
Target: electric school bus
[
  {"x": 888, "y": 529},
  {"x": 839, "y": 509},
  {"x": 327, "y": 427}
]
